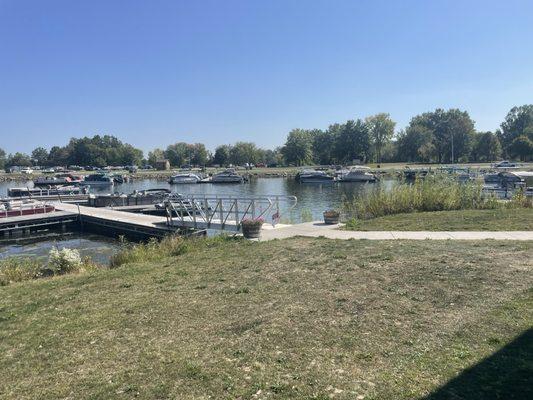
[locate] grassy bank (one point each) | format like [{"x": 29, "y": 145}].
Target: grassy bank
[
  {"x": 300, "y": 318},
  {"x": 520, "y": 219}
]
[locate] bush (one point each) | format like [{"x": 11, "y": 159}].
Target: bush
[
  {"x": 63, "y": 261},
  {"x": 17, "y": 269}
]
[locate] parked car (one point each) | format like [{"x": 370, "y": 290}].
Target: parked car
[
  {"x": 131, "y": 168},
  {"x": 505, "y": 164}
]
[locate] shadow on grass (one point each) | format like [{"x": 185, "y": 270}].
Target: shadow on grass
[{"x": 507, "y": 374}]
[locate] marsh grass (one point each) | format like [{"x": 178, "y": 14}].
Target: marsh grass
[{"x": 435, "y": 193}]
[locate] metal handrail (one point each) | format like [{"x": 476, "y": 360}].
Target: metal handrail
[{"x": 199, "y": 208}]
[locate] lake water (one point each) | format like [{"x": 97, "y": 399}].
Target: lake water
[
  {"x": 98, "y": 248},
  {"x": 313, "y": 199}
]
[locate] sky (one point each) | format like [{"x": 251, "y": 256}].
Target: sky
[{"x": 158, "y": 72}]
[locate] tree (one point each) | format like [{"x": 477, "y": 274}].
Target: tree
[
  {"x": 381, "y": 130},
  {"x": 486, "y": 147},
  {"x": 323, "y": 145},
  {"x": 243, "y": 152},
  {"x": 39, "y": 156},
  {"x": 221, "y": 156},
  {"x": 451, "y": 132},
  {"x": 154, "y": 155},
  {"x": 178, "y": 153},
  {"x": 518, "y": 122},
  {"x": 522, "y": 147},
  {"x": 415, "y": 144},
  {"x": 352, "y": 141},
  {"x": 298, "y": 147},
  {"x": 58, "y": 156},
  {"x": 198, "y": 154},
  {"x": 3, "y": 159},
  {"x": 19, "y": 160}
]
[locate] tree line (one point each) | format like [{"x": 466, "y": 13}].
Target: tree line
[{"x": 441, "y": 136}]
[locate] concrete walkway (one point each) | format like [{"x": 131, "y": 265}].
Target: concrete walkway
[{"x": 316, "y": 229}]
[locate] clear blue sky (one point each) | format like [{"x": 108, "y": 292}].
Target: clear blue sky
[{"x": 156, "y": 72}]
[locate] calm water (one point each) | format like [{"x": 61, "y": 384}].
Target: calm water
[
  {"x": 313, "y": 199},
  {"x": 99, "y": 248}
]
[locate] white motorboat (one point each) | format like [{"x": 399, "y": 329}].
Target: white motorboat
[
  {"x": 184, "y": 177},
  {"x": 313, "y": 176},
  {"x": 227, "y": 176},
  {"x": 357, "y": 174},
  {"x": 98, "y": 180}
]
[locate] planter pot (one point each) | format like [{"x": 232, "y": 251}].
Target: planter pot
[
  {"x": 331, "y": 219},
  {"x": 251, "y": 232}
]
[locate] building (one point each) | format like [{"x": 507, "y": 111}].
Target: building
[{"x": 162, "y": 165}]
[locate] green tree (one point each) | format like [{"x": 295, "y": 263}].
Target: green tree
[
  {"x": 381, "y": 130},
  {"x": 222, "y": 154},
  {"x": 58, "y": 156},
  {"x": 19, "y": 160},
  {"x": 451, "y": 130},
  {"x": 323, "y": 146},
  {"x": 298, "y": 147},
  {"x": 352, "y": 141},
  {"x": 518, "y": 122},
  {"x": 3, "y": 159},
  {"x": 39, "y": 156},
  {"x": 177, "y": 153},
  {"x": 243, "y": 152},
  {"x": 486, "y": 147},
  {"x": 154, "y": 155},
  {"x": 198, "y": 154},
  {"x": 522, "y": 147},
  {"x": 413, "y": 144}
]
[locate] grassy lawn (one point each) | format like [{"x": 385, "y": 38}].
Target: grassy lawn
[
  {"x": 520, "y": 219},
  {"x": 300, "y": 318}
]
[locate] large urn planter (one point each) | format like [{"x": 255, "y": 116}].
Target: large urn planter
[
  {"x": 251, "y": 228},
  {"x": 331, "y": 217}
]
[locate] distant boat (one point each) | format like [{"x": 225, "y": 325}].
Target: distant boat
[
  {"x": 98, "y": 180},
  {"x": 227, "y": 176},
  {"x": 313, "y": 176},
  {"x": 184, "y": 177},
  {"x": 18, "y": 208},
  {"x": 59, "y": 179},
  {"x": 56, "y": 191},
  {"x": 357, "y": 174}
]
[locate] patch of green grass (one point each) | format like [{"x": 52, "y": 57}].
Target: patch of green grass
[
  {"x": 387, "y": 319},
  {"x": 461, "y": 220}
]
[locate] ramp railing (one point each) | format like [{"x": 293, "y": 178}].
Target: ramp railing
[{"x": 224, "y": 212}]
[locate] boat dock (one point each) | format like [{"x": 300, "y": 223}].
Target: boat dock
[{"x": 182, "y": 214}]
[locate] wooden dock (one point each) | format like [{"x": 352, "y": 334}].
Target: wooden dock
[{"x": 26, "y": 223}]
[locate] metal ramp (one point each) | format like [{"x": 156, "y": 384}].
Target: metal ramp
[{"x": 224, "y": 212}]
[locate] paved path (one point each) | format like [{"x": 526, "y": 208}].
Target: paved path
[{"x": 316, "y": 229}]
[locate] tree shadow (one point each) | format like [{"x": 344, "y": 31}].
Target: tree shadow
[{"x": 507, "y": 374}]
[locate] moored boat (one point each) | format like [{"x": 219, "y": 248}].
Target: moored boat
[
  {"x": 357, "y": 174},
  {"x": 313, "y": 176},
  {"x": 98, "y": 180},
  {"x": 184, "y": 177},
  {"x": 227, "y": 176},
  {"x": 19, "y": 208}
]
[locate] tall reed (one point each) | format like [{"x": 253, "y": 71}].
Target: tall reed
[{"x": 430, "y": 194}]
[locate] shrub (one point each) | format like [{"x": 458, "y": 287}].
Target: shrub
[
  {"x": 252, "y": 223},
  {"x": 63, "y": 261},
  {"x": 17, "y": 269}
]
